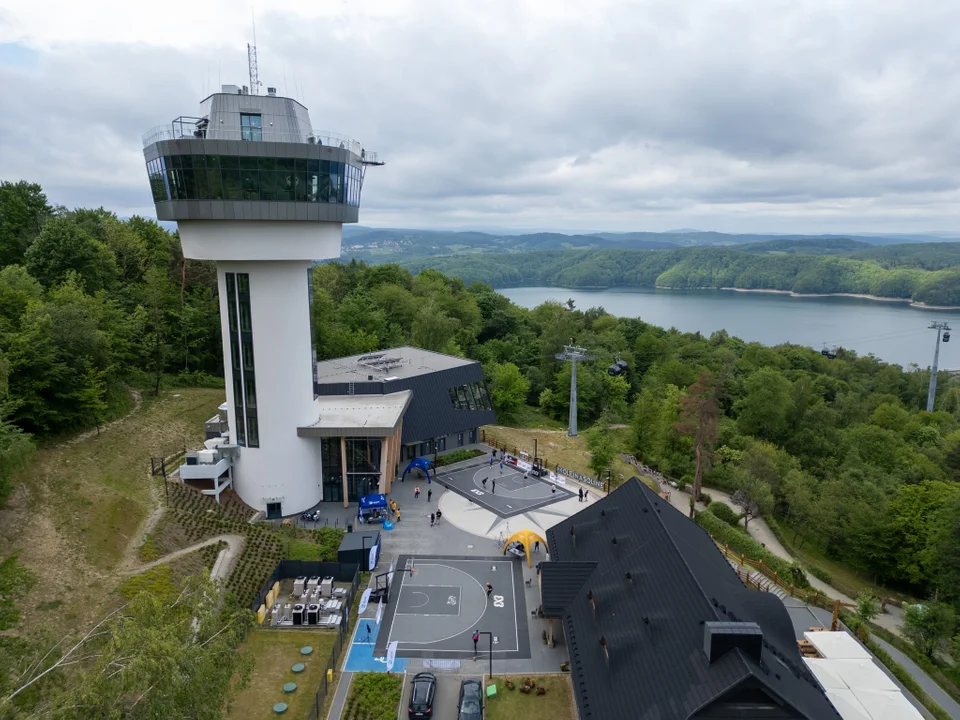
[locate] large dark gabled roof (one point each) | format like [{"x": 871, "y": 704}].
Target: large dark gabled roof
[
  {"x": 658, "y": 579},
  {"x": 560, "y": 582}
]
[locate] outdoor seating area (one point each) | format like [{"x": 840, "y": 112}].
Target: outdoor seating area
[{"x": 309, "y": 602}]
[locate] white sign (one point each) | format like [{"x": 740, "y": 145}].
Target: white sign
[
  {"x": 373, "y": 558},
  {"x": 391, "y": 654},
  {"x": 379, "y": 611},
  {"x": 364, "y": 600}
]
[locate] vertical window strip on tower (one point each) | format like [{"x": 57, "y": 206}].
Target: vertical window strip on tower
[
  {"x": 235, "y": 355},
  {"x": 246, "y": 354}
]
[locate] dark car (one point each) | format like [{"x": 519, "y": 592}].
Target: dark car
[
  {"x": 421, "y": 695},
  {"x": 470, "y": 703}
]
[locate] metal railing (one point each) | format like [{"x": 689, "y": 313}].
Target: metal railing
[{"x": 190, "y": 131}]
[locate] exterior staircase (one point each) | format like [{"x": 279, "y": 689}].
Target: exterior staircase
[{"x": 757, "y": 580}]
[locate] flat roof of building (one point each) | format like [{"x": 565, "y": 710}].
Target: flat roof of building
[
  {"x": 357, "y": 415},
  {"x": 393, "y": 364}
]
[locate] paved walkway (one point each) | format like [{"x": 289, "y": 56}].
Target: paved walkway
[{"x": 949, "y": 705}]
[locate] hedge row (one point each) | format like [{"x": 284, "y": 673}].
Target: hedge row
[
  {"x": 746, "y": 545},
  {"x": 458, "y": 456}
]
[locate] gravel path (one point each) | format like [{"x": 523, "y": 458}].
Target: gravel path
[{"x": 222, "y": 567}]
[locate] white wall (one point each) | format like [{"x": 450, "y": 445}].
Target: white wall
[
  {"x": 284, "y": 466},
  {"x": 259, "y": 239}
]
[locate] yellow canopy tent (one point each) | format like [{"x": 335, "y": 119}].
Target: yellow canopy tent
[{"x": 527, "y": 538}]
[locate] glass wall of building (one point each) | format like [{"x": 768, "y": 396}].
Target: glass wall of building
[
  {"x": 241, "y": 358},
  {"x": 228, "y": 177},
  {"x": 472, "y": 396},
  {"x": 332, "y": 469}
]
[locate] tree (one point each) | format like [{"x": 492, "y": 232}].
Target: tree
[
  {"x": 432, "y": 328},
  {"x": 158, "y": 656},
  {"x": 23, "y": 210},
  {"x": 868, "y": 607},
  {"x": 928, "y": 625},
  {"x": 61, "y": 248},
  {"x": 93, "y": 394},
  {"x": 752, "y": 495},
  {"x": 509, "y": 388},
  {"x": 699, "y": 414},
  {"x": 766, "y": 405},
  {"x": 602, "y": 449}
]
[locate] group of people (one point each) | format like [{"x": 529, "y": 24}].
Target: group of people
[
  {"x": 416, "y": 493},
  {"x": 583, "y": 494}
]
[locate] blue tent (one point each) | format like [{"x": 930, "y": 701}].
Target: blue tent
[
  {"x": 368, "y": 502},
  {"x": 421, "y": 463}
]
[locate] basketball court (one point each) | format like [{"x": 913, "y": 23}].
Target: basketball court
[
  {"x": 505, "y": 492},
  {"x": 438, "y": 601}
]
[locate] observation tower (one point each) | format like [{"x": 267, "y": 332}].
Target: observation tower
[{"x": 254, "y": 188}]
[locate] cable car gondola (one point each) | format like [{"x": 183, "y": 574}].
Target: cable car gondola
[
  {"x": 829, "y": 353},
  {"x": 946, "y": 336},
  {"x": 619, "y": 367}
]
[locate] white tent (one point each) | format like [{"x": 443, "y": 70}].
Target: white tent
[{"x": 854, "y": 683}]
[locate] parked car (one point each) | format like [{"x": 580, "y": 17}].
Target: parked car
[
  {"x": 421, "y": 696},
  {"x": 470, "y": 704}
]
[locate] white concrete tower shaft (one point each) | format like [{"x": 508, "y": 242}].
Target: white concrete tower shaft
[{"x": 255, "y": 190}]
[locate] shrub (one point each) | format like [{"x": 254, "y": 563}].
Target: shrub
[
  {"x": 820, "y": 574},
  {"x": 156, "y": 581},
  {"x": 374, "y": 696},
  {"x": 742, "y": 543},
  {"x": 725, "y": 512},
  {"x": 458, "y": 456},
  {"x": 706, "y": 499}
]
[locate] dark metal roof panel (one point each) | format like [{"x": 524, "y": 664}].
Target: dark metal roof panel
[
  {"x": 560, "y": 582},
  {"x": 652, "y": 590}
]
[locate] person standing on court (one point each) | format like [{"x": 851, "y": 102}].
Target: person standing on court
[
  {"x": 432, "y": 519},
  {"x": 476, "y": 639},
  {"x": 585, "y": 493},
  {"x": 489, "y": 589},
  {"x": 429, "y": 494},
  {"x": 580, "y": 492},
  {"x": 484, "y": 482},
  {"x": 494, "y": 486}
]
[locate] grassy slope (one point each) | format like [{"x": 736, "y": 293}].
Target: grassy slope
[{"x": 78, "y": 507}]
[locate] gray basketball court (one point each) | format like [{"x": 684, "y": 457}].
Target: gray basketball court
[
  {"x": 438, "y": 601},
  {"x": 505, "y": 492}
]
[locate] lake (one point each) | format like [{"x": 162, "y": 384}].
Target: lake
[{"x": 893, "y": 331}]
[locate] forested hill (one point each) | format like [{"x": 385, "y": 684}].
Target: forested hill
[{"x": 927, "y": 273}]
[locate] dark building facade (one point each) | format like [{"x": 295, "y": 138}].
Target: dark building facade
[{"x": 450, "y": 397}]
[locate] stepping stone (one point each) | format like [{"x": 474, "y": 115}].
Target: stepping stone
[
  {"x": 289, "y": 687},
  {"x": 306, "y": 650},
  {"x": 280, "y": 708},
  {"x": 298, "y": 668}
]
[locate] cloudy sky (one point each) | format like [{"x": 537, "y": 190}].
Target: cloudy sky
[{"x": 766, "y": 115}]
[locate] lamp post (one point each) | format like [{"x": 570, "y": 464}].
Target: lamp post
[{"x": 490, "y": 635}]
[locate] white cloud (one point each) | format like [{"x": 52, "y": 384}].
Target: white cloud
[{"x": 783, "y": 115}]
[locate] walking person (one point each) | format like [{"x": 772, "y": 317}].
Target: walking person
[
  {"x": 432, "y": 519},
  {"x": 536, "y": 546},
  {"x": 416, "y": 493},
  {"x": 476, "y": 639},
  {"x": 489, "y": 589},
  {"x": 580, "y": 493},
  {"x": 438, "y": 516},
  {"x": 484, "y": 483},
  {"x": 491, "y": 461},
  {"x": 429, "y": 494},
  {"x": 585, "y": 494},
  {"x": 494, "y": 486},
  {"x": 398, "y": 514}
]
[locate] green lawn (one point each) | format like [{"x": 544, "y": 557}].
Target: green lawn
[
  {"x": 557, "y": 704},
  {"x": 274, "y": 653}
]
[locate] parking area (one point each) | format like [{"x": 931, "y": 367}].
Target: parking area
[
  {"x": 437, "y": 602},
  {"x": 448, "y": 692},
  {"x": 506, "y": 490}
]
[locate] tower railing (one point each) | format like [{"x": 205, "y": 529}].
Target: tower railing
[{"x": 191, "y": 131}]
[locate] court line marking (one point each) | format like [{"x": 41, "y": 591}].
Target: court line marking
[
  {"x": 459, "y": 590},
  {"x": 473, "y": 624},
  {"x": 426, "y": 598},
  {"x": 516, "y": 628}
]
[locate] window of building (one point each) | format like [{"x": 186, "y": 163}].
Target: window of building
[
  {"x": 470, "y": 397},
  {"x": 241, "y": 353},
  {"x": 251, "y": 126}
]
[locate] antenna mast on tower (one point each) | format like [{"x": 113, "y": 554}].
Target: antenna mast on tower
[{"x": 252, "y": 61}]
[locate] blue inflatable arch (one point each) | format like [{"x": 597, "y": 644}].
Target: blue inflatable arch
[{"x": 422, "y": 464}]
